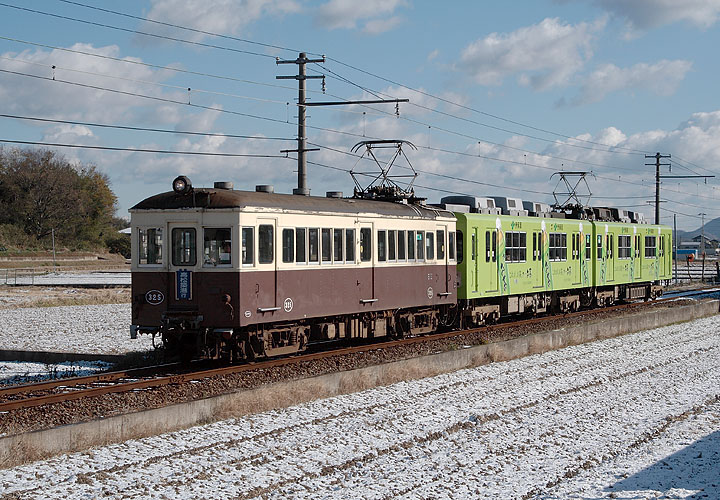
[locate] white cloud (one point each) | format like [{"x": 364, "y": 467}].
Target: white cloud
[
  {"x": 543, "y": 55},
  {"x": 347, "y": 14},
  {"x": 55, "y": 99},
  {"x": 661, "y": 78},
  {"x": 644, "y": 14},
  {"x": 377, "y": 26},
  {"x": 218, "y": 16}
]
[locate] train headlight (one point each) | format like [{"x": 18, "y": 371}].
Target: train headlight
[{"x": 181, "y": 184}]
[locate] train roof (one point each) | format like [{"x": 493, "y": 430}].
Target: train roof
[{"x": 212, "y": 198}]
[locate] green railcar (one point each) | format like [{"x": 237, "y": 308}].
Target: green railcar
[{"x": 516, "y": 264}]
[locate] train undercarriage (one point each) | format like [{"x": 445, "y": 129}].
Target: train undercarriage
[{"x": 182, "y": 335}]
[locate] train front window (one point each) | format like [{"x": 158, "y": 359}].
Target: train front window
[
  {"x": 217, "y": 246},
  {"x": 183, "y": 245},
  {"x": 151, "y": 243}
]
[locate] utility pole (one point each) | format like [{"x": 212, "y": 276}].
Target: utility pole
[
  {"x": 702, "y": 246},
  {"x": 657, "y": 164},
  {"x": 301, "y": 62}
]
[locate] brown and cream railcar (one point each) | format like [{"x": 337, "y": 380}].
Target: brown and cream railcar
[{"x": 257, "y": 273}]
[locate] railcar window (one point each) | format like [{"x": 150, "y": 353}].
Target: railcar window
[
  {"x": 623, "y": 246},
  {"x": 338, "y": 245},
  {"x": 184, "y": 247},
  {"x": 599, "y": 246},
  {"x": 588, "y": 246},
  {"x": 365, "y": 244},
  {"x": 248, "y": 245},
  {"x": 392, "y": 242},
  {"x": 608, "y": 245},
  {"x": 430, "y": 245},
  {"x": 300, "y": 254},
  {"x": 151, "y": 243},
  {"x": 637, "y": 246},
  {"x": 382, "y": 246},
  {"x": 401, "y": 245},
  {"x": 558, "y": 247},
  {"x": 288, "y": 245},
  {"x": 515, "y": 246},
  {"x": 650, "y": 250},
  {"x": 349, "y": 245},
  {"x": 266, "y": 244},
  {"x": 313, "y": 243},
  {"x": 460, "y": 250},
  {"x": 411, "y": 245},
  {"x": 540, "y": 246},
  {"x": 217, "y": 246},
  {"x": 440, "y": 244},
  {"x": 419, "y": 250},
  {"x": 326, "y": 244},
  {"x": 451, "y": 245}
]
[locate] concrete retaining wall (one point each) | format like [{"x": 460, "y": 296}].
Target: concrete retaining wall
[{"x": 24, "y": 448}]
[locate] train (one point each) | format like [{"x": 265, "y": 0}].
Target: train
[{"x": 232, "y": 274}]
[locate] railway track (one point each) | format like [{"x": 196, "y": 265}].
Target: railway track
[{"x": 58, "y": 391}]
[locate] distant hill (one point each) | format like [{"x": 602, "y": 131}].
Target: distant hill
[{"x": 712, "y": 231}]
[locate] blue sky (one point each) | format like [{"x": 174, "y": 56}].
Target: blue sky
[{"x": 510, "y": 92}]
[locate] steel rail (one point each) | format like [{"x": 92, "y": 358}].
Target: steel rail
[{"x": 276, "y": 362}]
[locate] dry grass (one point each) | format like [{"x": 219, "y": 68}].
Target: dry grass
[{"x": 13, "y": 297}]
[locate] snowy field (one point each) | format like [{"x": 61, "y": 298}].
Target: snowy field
[
  {"x": 24, "y": 372},
  {"x": 96, "y": 329},
  {"x": 632, "y": 417}
]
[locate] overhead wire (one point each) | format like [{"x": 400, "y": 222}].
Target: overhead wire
[
  {"x": 137, "y": 32},
  {"x": 141, "y": 150},
  {"x": 143, "y": 129},
  {"x": 333, "y": 59}
]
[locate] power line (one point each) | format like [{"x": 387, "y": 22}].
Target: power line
[
  {"x": 272, "y": 119},
  {"x": 194, "y": 30},
  {"x": 145, "y": 82},
  {"x": 335, "y": 60},
  {"x": 149, "y": 65},
  {"x": 154, "y": 98},
  {"x": 144, "y": 129},
  {"x": 138, "y": 32},
  {"x": 138, "y": 150}
]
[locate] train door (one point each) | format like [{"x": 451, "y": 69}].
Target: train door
[
  {"x": 366, "y": 270},
  {"x": 490, "y": 257},
  {"x": 661, "y": 257},
  {"x": 537, "y": 257},
  {"x": 442, "y": 255},
  {"x": 267, "y": 279},
  {"x": 638, "y": 253},
  {"x": 610, "y": 253},
  {"x": 183, "y": 259},
  {"x": 576, "y": 261}
]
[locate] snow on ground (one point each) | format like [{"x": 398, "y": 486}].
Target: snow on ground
[
  {"x": 23, "y": 372},
  {"x": 637, "y": 416},
  {"x": 96, "y": 329}
]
